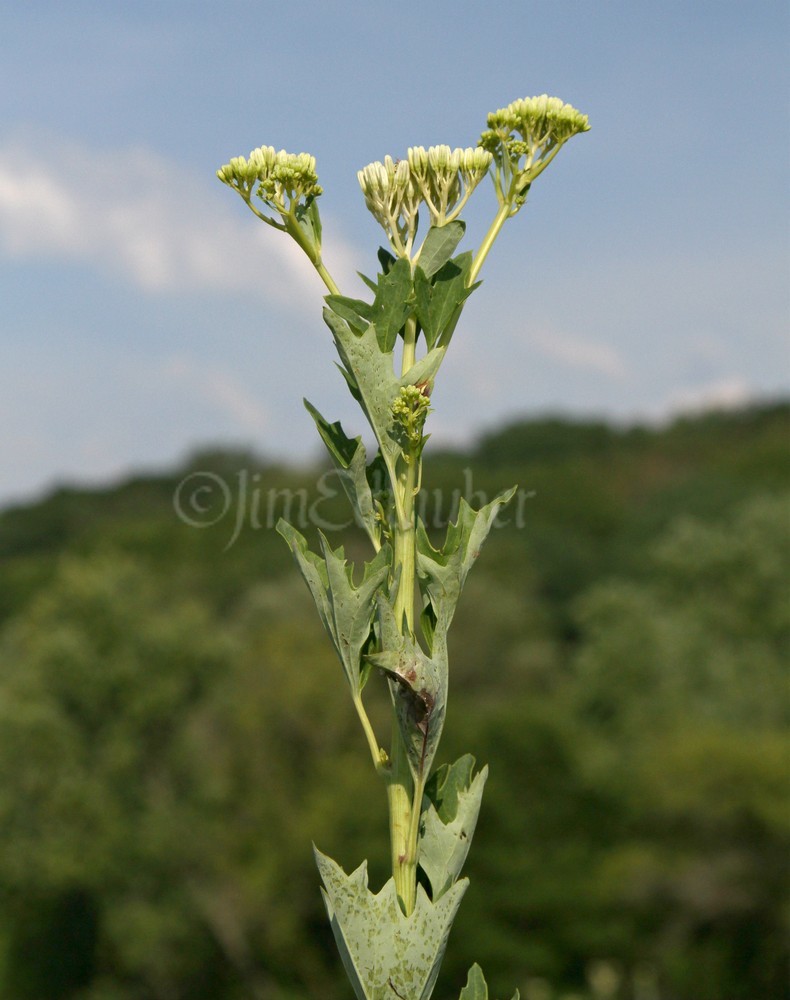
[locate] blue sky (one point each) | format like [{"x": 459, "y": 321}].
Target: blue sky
[{"x": 145, "y": 312}]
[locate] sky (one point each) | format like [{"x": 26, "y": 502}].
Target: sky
[{"x": 146, "y": 314}]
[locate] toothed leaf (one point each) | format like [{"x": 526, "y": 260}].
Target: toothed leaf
[
  {"x": 438, "y": 298},
  {"x": 385, "y": 953},
  {"x": 451, "y": 805},
  {"x": 350, "y": 459},
  {"x": 391, "y": 306},
  {"x": 442, "y": 572},
  {"x": 346, "y": 611}
]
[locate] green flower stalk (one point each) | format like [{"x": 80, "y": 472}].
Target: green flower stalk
[
  {"x": 393, "y": 625},
  {"x": 287, "y": 184}
]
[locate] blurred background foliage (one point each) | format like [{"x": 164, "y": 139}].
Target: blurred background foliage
[{"x": 174, "y": 731}]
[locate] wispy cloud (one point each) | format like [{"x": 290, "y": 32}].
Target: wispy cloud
[
  {"x": 148, "y": 219},
  {"x": 579, "y": 352}
]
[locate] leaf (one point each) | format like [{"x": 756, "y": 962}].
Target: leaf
[
  {"x": 451, "y": 805},
  {"x": 425, "y": 369},
  {"x": 438, "y": 299},
  {"x": 368, "y": 281},
  {"x": 391, "y": 306},
  {"x": 442, "y": 573},
  {"x": 350, "y": 460},
  {"x": 346, "y": 611},
  {"x": 418, "y": 684},
  {"x": 385, "y": 259},
  {"x": 385, "y": 953},
  {"x": 370, "y": 373},
  {"x": 476, "y": 988},
  {"x": 309, "y": 220},
  {"x": 439, "y": 245},
  {"x": 356, "y": 312}
]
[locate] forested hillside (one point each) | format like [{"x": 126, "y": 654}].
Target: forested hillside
[{"x": 175, "y": 733}]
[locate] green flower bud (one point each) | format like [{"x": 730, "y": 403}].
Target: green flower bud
[
  {"x": 283, "y": 179},
  {"x": 446, "y": 178},
  {"x": 525, "y": 136},
  {"x": 392, "y": 199}
]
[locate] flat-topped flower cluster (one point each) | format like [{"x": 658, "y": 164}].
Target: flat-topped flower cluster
[{"x": 283, "y": 179}]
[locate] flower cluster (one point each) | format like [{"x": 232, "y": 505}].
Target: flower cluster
[
  {"x": 284, "y": 179},
  {"x": 441, "y": 177},
  {"x": 410, "y": 409},
  {"x": 526, "y": 135},
  {"x": 446, "y": 178},
  {"x": 393, "y": 199}
]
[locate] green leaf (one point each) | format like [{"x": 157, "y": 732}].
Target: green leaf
[
  {"x": 451, "y": 805},
  {"x": 309, "y": 220},
  {"x": 346, "y": 611},
  {"x": 386, "y": 954},
  {"x": 370, "y": 373},
  {"x": 391, "y": 306},
  {"x": 438, "y": 299},
  {"x": 385, "y": 259},
  {"x": 372, "y": 285},
  {"x": 356, "y": 312},
  {"x": 476, "y": 988},
  {"x": 442, "y": 572},
  {"x": 418, "y": 684},
  {"x": 350, "y": 460},
  {"x": 425, "y": 369},
  {"x": 439, "y": 245}
]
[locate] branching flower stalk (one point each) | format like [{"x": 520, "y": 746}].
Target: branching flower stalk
[{"x": 394, "y": 623}]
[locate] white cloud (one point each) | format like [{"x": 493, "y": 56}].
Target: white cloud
[
  {"x": 726, "y": 394},
  {"x": 137, "y": 214},
  {"x": 579, "y": 352}
]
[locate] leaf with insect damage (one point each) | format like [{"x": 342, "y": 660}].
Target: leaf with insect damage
[
  {"x": 450, "y": 808},
  {"x": 386, "y": 954},
  {"x": 346, "y": 611},
  {"x": 418, "y": 684}
]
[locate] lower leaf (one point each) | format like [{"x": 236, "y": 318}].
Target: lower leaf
[{"x": 386, "y": 954}]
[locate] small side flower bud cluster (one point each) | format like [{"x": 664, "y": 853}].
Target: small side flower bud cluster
[
  {"x": 410, "y": 409},
  {"x": 284, "y": 179},
  {"x": 446, "y": 178},
  {"x": 393, "y": 199},
  {"x": 525, "y": 136}
]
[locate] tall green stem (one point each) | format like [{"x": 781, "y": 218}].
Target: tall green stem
[
  {"x": 400, "y": 790},
  {"x": 401, "y": 793}
]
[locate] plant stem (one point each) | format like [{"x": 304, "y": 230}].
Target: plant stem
[
  {"x": 379, "y": 756},
  {"x": 409, "y": 344},
  {"x": 295, "y": 231},
  {"x": 327, "y": 278},
  {"x": 401, "y": 793},
  {"x": 488, "y": 240}
]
